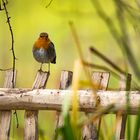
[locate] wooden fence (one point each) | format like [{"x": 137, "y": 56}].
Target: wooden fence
[{"x": 37, "y": 98}]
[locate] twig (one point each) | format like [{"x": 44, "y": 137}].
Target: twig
[
  {"x": 98, "y": 113},
  {"x": 107, "y": 60},
  {"x": 100, "y": 67},
  {"x": 75, "y": 36},
  {"x": 12, "y": 37},
  {"x": 5, "y": 69},
  {"x": 6, "y": 1},
  {"x": 128, "y": 89},
  {"x": 112, "y": 64},
  {"x": 12, "y": 48},
  {"x": 78, "y": 45},
  {"x": 49, "y": 3},
  {"x": 15, "y": 113}
]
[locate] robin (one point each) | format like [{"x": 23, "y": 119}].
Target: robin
[{"x": 44, "y": 50}]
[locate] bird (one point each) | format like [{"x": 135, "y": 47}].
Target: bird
[{"x": 44, "y": 50}]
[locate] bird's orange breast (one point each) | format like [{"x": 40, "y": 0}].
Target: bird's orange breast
[{"x": 42, "y": 43}]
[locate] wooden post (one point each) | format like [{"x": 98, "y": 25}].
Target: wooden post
[
  {"x": 65, "y": 82},
  {"x": 31, "y": 117},
  {"x": 120, "y": 118},
  {"x": 90, "y": 131},
  {"x": 5, "y": 119}
]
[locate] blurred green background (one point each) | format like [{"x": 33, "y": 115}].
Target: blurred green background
[{"x": 31, "y": 17}]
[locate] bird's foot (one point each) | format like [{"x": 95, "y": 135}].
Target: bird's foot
[{"x": 40, "y": 70}]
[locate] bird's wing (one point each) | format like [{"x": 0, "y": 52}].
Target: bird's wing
[{"x": 52, "y": 52}]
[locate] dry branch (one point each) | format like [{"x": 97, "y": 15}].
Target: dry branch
[
  {"x": 44, "y": 99},
  {"x": 12, "y": 38}
]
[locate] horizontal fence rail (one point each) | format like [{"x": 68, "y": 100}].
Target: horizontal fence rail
[{"x": 46, "y": 99}]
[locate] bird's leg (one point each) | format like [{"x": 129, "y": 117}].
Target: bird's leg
[
  {"x": 41, "y": 67},
  {"x": 49, "y": 67}
]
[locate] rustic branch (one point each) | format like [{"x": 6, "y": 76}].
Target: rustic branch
[{"x": 45, "y": 99}]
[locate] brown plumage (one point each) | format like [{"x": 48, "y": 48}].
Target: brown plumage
[{"x": 44, "y": 50}]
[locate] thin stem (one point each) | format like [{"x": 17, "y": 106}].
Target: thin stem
[
  {"x": 49, "y": 3},
  {"x": 15, "y": 113},
  {"x": 49, "y": 67},
  {"x": 5, "y": 69},
  {"x": 75, "y": 36},
  {"x": 107, "y": 60},
  {"x": 100, "y": 67},
  {"x": 12, "y": 37},
  {"x": 12, "y": 48},
  {"x": 78, "y": 45},
  {"x": 112, "y": 64},
  {"x": 134, "y": 86}
]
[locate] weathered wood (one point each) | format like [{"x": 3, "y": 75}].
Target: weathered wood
[
  {"x": 31, "y": 117},
  {"x": 8, "y": 78},
  {"x": 90, "y": 131},
  {"x": 45, "y": 99},
  {"x": 121, "y": 118},
  {"x": 31, "y": 125},
  {"x": 65, "y": 82},
  {"x": 65, "y": 79},
  {"x": 101, "y": 79},
  {"x": 40, "y": 80},
  {"x": 6, "y": 115}
]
